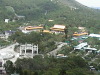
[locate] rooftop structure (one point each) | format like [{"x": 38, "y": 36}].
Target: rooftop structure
[
  {"x": 80, "y": 46},
  {"x": 6, "y": 20},
  {"x": 58, "y": 28},
  {"x": 98, "y": 51},
  {"x": 85, "y": 46},
  {"x": 33, "y": 27},
  {"x": 50, "y": 20},
  {"x": 80, "y": 34},
  {"x": 6, "y": 34},
  {"x": 9, "y": 33},
  {"x": 2, "y": 36},
  {"x": 26, "y": 31},
  {"x": 29, "y": 29},
  {"x": 46, "y": 31},
  {"x": 95, "y": 35},
  {"x": 88, "y": 48},
  {"x": 61, "y": 56},
  {"x": 81, "y": 28}
]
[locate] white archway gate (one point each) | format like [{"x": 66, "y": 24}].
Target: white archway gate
[{"x": 28, "y": 49}]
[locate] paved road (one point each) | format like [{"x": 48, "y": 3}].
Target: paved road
[
  {"x": 54, "y": 52},
  {"x": 9, "y": 51}
]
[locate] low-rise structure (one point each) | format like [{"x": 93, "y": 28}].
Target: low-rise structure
[
  {"x": 29, "y": 29},
  {"x": 58, "y": 29},
  {"x": 80, "y": 46},
  {"x": 33, "y": 28},
  {"x": 80, "y": 34},
  {"x": 85, "y": 47},
  {"x": 93, "y": 50},
  {"x": 47, "y": 31},
  {"x": 82, "y": 29},
  {"x": 9, "y": 33},
  {"x": 95, "y": 35},
  {"x": 61, "y": 56},
  {"x": 2, "y": 36},
  {"x": 6, "y": 34},
  {"x": 6, "y": 20}
]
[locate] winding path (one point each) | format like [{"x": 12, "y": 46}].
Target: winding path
[
  {"x": 10, "y": 49},
  {"x": 54, "y": 52}
]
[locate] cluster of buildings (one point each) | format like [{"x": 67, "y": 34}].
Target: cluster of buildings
[
  {"x": 81, "y": 36},
  {"x": 81, "y": 31},
  {"x": 55, "y": 29},
  {"x": 84, "y": 46},
  {"x": 95, "y": 35},
  {"x": 6, "y": 34}
]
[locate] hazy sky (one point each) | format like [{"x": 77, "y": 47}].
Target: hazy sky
[{"x": 90, "y": 3}]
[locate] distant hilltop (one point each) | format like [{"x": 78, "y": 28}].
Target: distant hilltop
[{"x": 96, "y": 7}]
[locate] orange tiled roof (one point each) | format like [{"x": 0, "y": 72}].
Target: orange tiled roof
[
  {"x": 55, "y": 29},
  {"x": 79, "y": 34},
  {"x": 31, "y": 27},
  {"x": 46, "y": 31},
  {"x": 58, "y": 27}
]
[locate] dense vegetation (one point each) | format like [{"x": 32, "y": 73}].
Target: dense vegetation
[
  {"x": 94, "y": 42},
  {"x": 45, "y": 41},
  {"x": 3, "y": 43},
  {"x": 67, "y": 12},
  {"x": 49, "y": 66}
]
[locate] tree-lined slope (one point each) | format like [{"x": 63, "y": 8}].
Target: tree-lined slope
[{"x": 68, "y": 12}]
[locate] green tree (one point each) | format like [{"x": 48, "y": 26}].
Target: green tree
[{"x": 9, "y": 67}]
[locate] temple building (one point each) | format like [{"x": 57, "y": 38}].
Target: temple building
[
  {"x": 80, "y": 34},
  {"x": 35, "y": 28},
  {"x": 29, "y": 29},
  {"x": 58, "y": 29},
  {"x": 46, "y": 31}
]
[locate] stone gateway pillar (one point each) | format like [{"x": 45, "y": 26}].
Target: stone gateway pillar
[{"x": 28, "y": 49}]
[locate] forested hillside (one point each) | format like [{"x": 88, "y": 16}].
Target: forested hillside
[
  {"x": 22, "y": 13},
  {"x": 68, "y": 12}
]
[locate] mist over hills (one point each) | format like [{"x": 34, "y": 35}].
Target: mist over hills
[
  {"x": 96, "y": 7},
  {"x": 68, "y": 12}
]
